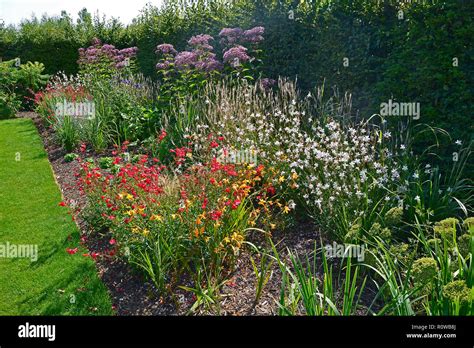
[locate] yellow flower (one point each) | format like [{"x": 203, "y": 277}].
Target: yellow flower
[
  {"x": 262, "y": 202},
  {"x": 156, "y": 217},
  {"x": 173, "y": 216},
  {"x": 272, "y": 226},
  {"x": 281, "y": 178},
  {"x": 198, "y": 232},
  {"x": 294, "y": 176},
  {"x": 135, "y": 230},
  {"x": 145, "y": 232},
  {"x": 286, "y": 209},
  {"x": 237, "y": 238},
  {"x": 130, "y": 212},
  {"x": 189, "y": 155},
  {"x": 129, "y": 196}
]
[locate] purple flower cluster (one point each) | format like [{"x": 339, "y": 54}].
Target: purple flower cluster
[
  {"x": 234, "y": 39},
  {"x": 185, "y": 59},
  {"x": 166, "y": 49},
  {"x": 97, "y": 53},
  {"x": 236, "y": 55},
  {"x": 232, "y": 36},
  {"x": 201, "y": 56},
  {"x": 201, "y": 42},
  {"x": 267, "y": 83},
  {"x": 254, "y": 35},
  {"x": 168, "y": 52}
]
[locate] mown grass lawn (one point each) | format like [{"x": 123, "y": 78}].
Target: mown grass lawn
[{"x": 57, "y": 283}]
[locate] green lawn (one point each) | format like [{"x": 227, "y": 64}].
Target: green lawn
[{"x": 57, "y": 283}]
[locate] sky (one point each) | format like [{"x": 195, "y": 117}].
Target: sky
[{"x": 13, "y": 11}]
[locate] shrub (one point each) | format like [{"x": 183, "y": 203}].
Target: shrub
[
  {"x": 184, "y": 73},
  {"x": 18, "y": 83},
  {"x": 9, "y": 105},
  {"x": 104, "y": 60}
]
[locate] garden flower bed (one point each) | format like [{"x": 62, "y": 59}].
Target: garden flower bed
[{"x": 212, "y": 189}]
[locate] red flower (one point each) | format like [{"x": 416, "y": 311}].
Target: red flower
[
  {"x": 62, "y": 204},
  {"x": 112, "y": 241},
  {"x": 125, "y": 145},
  {"x": 214, "y": 144},
  {"x": 216, "y": 215},
  {"x": 162, "y": 135},
  {"x": 235, "y": 204},
  {"x": 71, "y": 251},
  {"x": 94, "y": 255},
  {"x": 271, "y": 190}
]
